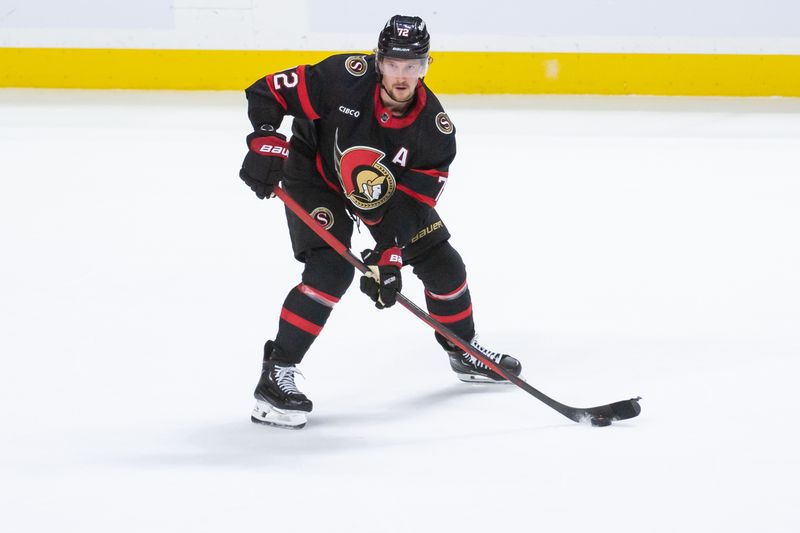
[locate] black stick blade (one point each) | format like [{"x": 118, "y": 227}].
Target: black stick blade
[
  {"x": 626, "y": 409},
  {"x": 616, "y": 411}
]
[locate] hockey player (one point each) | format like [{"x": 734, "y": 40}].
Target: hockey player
[{"x": 370, "y": 142}]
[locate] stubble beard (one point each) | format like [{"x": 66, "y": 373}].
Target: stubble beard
[{"x": 395, "y": 98}]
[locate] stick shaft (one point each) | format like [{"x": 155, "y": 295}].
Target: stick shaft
[{"x": 572, "y": 413}]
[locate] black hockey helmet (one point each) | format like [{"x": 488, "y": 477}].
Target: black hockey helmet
[{"x": 404, "y": 37}]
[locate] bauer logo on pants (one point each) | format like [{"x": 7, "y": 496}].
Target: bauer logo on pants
[
  {"x": 427, "y": 231},
  {"x": 324, "y": 216}
]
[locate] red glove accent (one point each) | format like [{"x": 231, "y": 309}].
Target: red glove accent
[
  {"x": 262, "y": 168},
  {"x": 271, "y": 145},
  {"x": 391, "y": 257}
]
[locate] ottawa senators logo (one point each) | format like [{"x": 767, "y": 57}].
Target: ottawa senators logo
[
  {"x": 323, "y": 216},
  {"x": 444, "y": 124},
  {"x": 366, "y": 182},
  {"x": 356, "y": 65}
]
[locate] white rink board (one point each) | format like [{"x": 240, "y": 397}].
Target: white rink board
[{"x": 680, "y": 26}]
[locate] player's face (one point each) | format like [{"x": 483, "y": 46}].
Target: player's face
[{"x": 400, "y": 76}]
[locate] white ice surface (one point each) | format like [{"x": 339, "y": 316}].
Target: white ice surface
[{"x": 617, "y": 246}]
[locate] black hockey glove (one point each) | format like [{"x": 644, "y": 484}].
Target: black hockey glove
[
  {"x": 383, "y": 281},
  {"x": 262, "y": 167}
]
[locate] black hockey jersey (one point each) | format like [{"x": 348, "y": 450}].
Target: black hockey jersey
[{"x": 375, "y": 160}]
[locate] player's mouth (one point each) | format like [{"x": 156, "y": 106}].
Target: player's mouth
[{"x": 400, "y": 92}]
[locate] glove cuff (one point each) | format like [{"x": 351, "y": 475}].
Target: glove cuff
[
  {"x": 271, "y": 145},
  {"x": 391, "y": 257}
]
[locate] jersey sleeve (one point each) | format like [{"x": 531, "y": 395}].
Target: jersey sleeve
[
  {"x": 296, "y": 91},
  {"x": 425, "y": 181}
]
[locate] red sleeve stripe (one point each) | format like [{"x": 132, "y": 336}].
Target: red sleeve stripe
[
  {"x": 318, "y": 296},
  {"x": 277, "y": 96},
  {"x": 449, "y": 319},
  {"x": 433, "y": 173},
  {"x": 450, "y": 295},
  {"x": 302, "y": 92},
  {"x": 300, "y": 322},
  {"x": 417, "y": 196}
]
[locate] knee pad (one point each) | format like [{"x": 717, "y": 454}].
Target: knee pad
[
  {"x": 327, "y": 271},
  {"x": 441, "y": 268},
  {"x": 447, "y": 296}
]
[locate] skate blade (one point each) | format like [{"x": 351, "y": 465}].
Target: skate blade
[
  {"x": 478, "y": 378},
  {"x": 264, "y": 413}
]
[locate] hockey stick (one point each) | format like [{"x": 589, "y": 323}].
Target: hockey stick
[{"x": 601, "y": 415}]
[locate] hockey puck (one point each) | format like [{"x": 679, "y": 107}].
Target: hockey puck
[{"x": 600, "y": 421}]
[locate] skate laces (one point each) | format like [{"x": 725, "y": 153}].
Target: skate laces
[
  {"x": 495, "y": 357},
  {"x": 284, "y": 377}
]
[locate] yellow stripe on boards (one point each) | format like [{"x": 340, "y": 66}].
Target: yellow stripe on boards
[
  {"x": 450, "y": 73},
  {"x": 585, "y": 73},
  {"x": 95, "y": 68}
]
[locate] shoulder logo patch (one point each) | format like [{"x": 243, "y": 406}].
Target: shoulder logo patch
[
  {"x": 444, "y": 124},
  {"x": 356, "y": 65}
]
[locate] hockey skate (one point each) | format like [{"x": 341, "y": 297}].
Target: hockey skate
[
  {"x": 278, "y": 401},
  {"x": 470, "y": 369}
]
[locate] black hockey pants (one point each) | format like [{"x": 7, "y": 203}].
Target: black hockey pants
[{"x": 327, "y": 276}]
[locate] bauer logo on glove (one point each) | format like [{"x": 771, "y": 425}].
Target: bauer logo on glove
[{"x": 262, "y": 168}]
